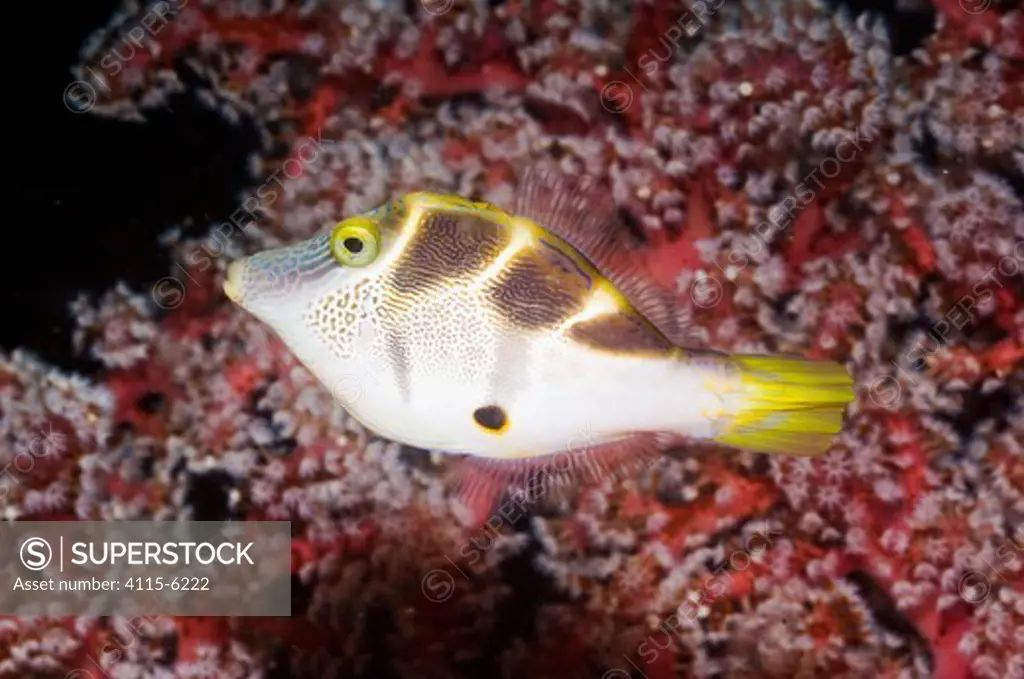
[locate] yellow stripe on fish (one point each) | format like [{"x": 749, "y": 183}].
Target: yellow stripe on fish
[{"x": 502, "y": 335}]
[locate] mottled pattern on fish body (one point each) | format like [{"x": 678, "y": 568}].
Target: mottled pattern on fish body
[{"x": 473, "y": 308}]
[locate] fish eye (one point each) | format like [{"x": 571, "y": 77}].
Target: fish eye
[{"x": 355, "y": 241}]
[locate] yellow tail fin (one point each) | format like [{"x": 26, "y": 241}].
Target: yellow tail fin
[{"x": 788, "y": 406}]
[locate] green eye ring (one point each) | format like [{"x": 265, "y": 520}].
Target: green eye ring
[{"x": 355, "y": 241}]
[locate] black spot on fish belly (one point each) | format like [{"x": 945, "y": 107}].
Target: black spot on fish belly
[{"x": 492, "y": 418}]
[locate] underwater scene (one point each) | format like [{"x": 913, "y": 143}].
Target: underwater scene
[{"x": 598, "y": 339}]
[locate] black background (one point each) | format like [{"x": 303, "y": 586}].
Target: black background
[{"x": 91, "y": 195}]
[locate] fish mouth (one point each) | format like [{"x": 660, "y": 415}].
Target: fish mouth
[
  {"x": 248, "y": 284},
  {"x": 233, "y": 282}
]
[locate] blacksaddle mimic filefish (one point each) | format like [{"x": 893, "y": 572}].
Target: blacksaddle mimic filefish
[{"x": 511, "y": 337}]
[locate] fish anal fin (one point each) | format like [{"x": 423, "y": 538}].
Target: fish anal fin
[
  {"x": 583, "y": 214},
  {"x": 482, "y": 481}
]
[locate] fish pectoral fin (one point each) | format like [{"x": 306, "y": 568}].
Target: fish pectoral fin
[{"x": 482, "y": 482}]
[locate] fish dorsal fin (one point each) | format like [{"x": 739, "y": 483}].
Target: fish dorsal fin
[{"x": 584, "y": 215}]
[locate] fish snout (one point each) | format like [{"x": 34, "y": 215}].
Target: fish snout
[
  {"x": 271, "y": 282},
  {"x": 234, "y": 280},
  {"x": 251, "y": 281}
]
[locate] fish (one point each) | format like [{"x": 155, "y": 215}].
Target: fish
[{"x": 514, "y": 338}]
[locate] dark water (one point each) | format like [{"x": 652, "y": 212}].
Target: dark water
[{"x": 92, "y": 195}]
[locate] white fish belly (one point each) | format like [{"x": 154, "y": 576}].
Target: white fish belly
[
  {"x": 579, "y": 397},
  {"x": 446, "y": 382},
  {"x": 561, "y": 397},
  {"x": 556, "y": 396}
]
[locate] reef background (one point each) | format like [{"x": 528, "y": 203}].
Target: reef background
[{"x": 807, "y": 177}]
